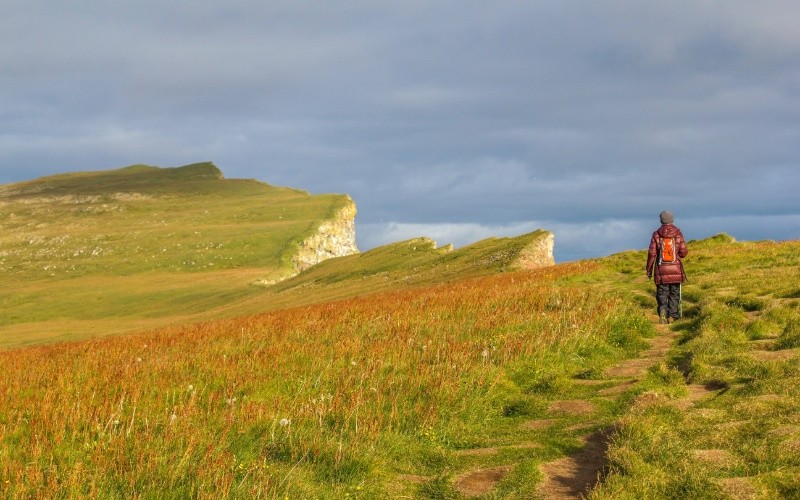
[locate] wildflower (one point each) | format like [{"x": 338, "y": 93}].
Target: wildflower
[
  {"x": 353, "y": 363},
  {"x": 138, "y": 360},
  {"x": 173, "y": 418},
  {"x": 190, "y": 388},
  {"x": 485, "y": 353},
  {"x": 284, "y": 422}
]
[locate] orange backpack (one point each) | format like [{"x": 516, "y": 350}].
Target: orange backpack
[{"x": 666, "y": 251}]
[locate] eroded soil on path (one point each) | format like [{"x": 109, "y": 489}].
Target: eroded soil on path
[{"x": 574, "y": 475}]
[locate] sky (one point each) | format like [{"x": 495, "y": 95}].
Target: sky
[{"x": 456, "y": 120}]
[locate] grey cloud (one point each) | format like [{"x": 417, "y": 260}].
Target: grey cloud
[{"x": 458, "y": 115}]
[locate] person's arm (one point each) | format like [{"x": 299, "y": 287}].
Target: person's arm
[
  {"x": 651, "y": 256},
  {"x": 683, "y": 251}
]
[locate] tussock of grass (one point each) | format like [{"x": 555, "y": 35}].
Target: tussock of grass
[{"x": 790, "y": 337}]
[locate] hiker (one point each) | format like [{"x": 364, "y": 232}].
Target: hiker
[{"x": 667, "y": 248}]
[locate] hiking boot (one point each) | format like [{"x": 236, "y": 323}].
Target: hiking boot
[{"x": 662, "y": 316}]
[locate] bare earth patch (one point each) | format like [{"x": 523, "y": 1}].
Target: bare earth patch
[
  {"x": 636, "y": 367},
  {"x": 718, "y": 458},
  {"x": 404, "y": 484},
  {"x": 617, "y": 389},
  {"x": 782, "y": 355},
  {"x": 630, "y": 368},
  {"x": 739, "y": 488},
  {"x": 697, "y": 392},
  {"x": 480, "y": 482},
  {"x": 572, "y": 407},
  {"x": 785, "y": 430},
  {"x": 574, "y": 476}
]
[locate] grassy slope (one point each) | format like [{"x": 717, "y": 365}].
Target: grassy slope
[
  {"x": 378, "y": 395},
  {"x": 409, "y": 264},
  {"x": 103, "y": 252},
  {"x": 739, "y": 341},
  {"x": 351, "y": 397}
]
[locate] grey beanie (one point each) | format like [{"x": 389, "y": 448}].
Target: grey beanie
[{"x": 666, "y": 217}]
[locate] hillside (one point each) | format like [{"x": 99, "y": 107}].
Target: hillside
[
  {"x": 102, "y": 252},
  {"x": 412, "y": 264},
  {"x": 509, "y": 384},
  {"x": 98, "y": 253}
]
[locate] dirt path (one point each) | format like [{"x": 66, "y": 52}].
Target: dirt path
[{"x": 575, "y": 475}]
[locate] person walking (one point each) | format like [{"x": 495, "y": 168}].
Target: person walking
[{"x": 667, "y": 248}]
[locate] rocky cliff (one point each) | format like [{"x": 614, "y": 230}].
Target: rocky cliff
[
  {"x": 537, "y": 253},
  {"x": 335, "y": 237}
]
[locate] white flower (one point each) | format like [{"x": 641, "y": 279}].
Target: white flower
[
  {"x": 173, "y": 418},
  {"x": 190, "y": 388},
  {"x": 284, "y": 422}
]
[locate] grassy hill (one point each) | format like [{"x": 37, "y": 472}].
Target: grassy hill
[
  {"x": 408, "y": 371},
  {"x": 412, "y": 391},
  {"x": 98, "y": 253},
  {"x": 95, "y": 253}
]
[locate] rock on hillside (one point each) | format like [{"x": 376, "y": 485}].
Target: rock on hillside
[
  {"x": 335, "y": 237},
  {"x": 537, "y": 253}
]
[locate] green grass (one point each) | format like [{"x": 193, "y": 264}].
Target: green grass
[
  {"x": 740, "y": 342},
  {"x": 385, "y": 374},
  {"x": 142, "y": 243}
]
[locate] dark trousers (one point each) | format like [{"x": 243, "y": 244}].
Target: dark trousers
[{"x": 668, "y": 295}]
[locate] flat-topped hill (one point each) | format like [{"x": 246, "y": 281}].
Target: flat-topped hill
[
  {"x": 96, "y": 253},
  {"x": 126, "y": 247}
]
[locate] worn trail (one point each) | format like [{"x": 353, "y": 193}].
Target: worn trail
[{"x": 575, "y": 475}]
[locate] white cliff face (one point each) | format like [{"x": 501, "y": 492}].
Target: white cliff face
[
  {"x": 539, "y": 253},
  {"x": 335, "y": 237}
]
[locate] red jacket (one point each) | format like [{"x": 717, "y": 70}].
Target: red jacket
[{"x": 672, "y": 272}]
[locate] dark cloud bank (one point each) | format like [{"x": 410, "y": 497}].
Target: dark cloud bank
[{"x": 456, "y": 120}]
